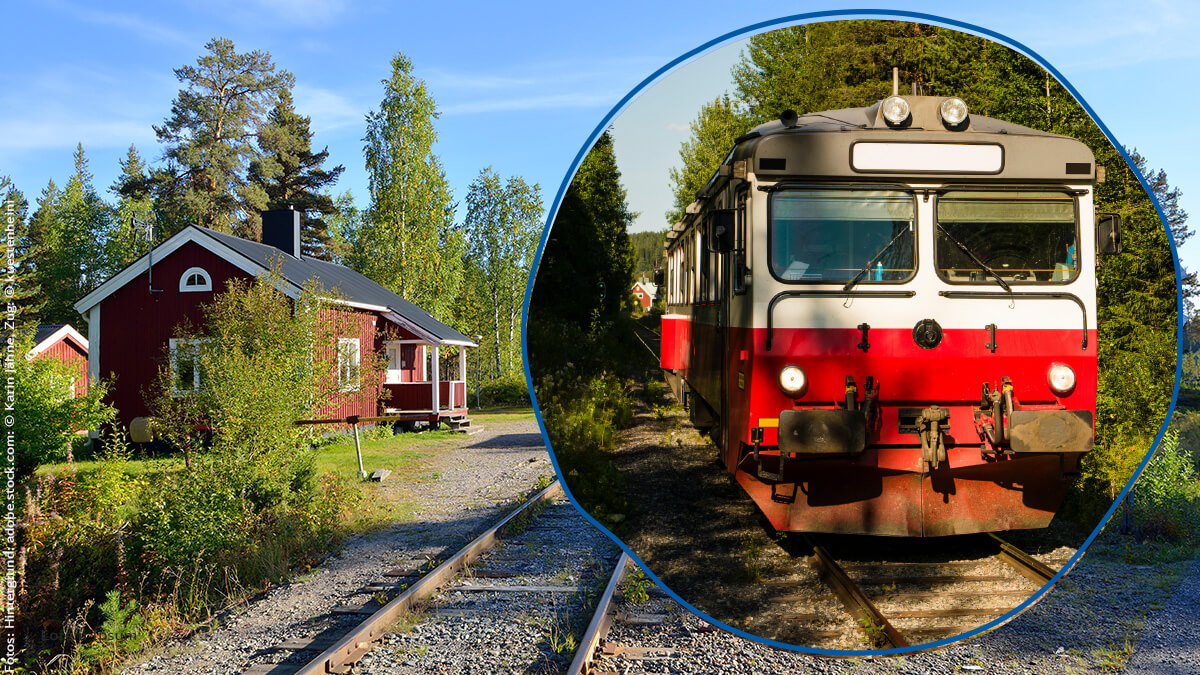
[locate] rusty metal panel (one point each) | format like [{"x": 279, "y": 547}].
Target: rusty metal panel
[
  {"x": 1050, "y": 430},
  {"x": 864, "y": 496}
]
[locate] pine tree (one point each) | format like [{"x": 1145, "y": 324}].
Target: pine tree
[
  {"x": 408, "y": 241},
  {"x": 27, "y": 299},
  {"x": 210, "y": 135},
  {"x": 289, "y": 173},
  {"x": 586, "y": 269},
  {"x": 134, "y": 207},
  {"x": 73, "y": 227}
]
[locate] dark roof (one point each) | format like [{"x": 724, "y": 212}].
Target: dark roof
[
  {"x": 46, "y": 331},
  {"x": 350, "y": 285}
]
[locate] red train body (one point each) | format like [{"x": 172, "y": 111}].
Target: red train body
[{"x": 889, "y": 327}]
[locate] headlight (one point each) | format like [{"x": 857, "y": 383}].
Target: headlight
[
  {"x": 953, "y": 112},
  {"x": 793, "y": 381},
  {"x": 895, "y": 111},
  {"x": 1061, "y": 378}
]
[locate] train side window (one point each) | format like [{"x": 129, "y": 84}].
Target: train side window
[{"x": 738, "y": 263}]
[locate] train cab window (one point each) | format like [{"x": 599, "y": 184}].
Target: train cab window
[
  {"x": 829, "y": 236},
  {"x": 1023, "y": 237}
]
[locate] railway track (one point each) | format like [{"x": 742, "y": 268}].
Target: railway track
[
  {"x": 920, "y": 601},
  {"x": 521, "y": 591},
  {"x": 862, "y": 592},
  {"x": 931, "y": 590}
]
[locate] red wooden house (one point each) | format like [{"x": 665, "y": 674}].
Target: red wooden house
[
  {"x": 132, "y": 318},
  {"x": 64, "y": 343},
  {"x": 645, "y": 292}
]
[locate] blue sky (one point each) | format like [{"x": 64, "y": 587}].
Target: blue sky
[{"x": 520, "y": 89}]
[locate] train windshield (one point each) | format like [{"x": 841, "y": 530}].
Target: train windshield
[
  {"x": 831, "y": 235},
  {"x": 1024, "y": 237}
]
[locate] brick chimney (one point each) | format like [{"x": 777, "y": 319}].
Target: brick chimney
[{"x": 281, "y": 229}]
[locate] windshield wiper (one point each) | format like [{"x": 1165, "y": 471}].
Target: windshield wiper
[
  {"x": 978, "y": 263},
  {"x": 867, "y": 268}
]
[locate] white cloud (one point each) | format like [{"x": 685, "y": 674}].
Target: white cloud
[
  {"x": 151, "y": 31},
  {"x": 48, "y": 133},
  {"x": 673, "y": 126},
  {"x": 327, "y": 109}
]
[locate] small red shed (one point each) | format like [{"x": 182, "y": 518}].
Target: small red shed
[
  {"x": 64, "y": 343},
  {"x": 132, "y": 317}
]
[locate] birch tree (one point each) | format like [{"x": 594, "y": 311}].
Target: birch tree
[
  {"x": 408, "y": 241},
  {"x": 502, "y": 225}
]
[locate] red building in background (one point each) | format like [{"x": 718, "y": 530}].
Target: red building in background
[
  {"x": 133, "y": 317},
  {"x": 645, "y": 292},
  {"x": 63, "y": 343}
]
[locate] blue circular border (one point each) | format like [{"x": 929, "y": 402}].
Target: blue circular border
[{"x": 814, "y": 17}]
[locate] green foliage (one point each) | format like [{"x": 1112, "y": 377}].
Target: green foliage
[
  {"x": 582, "y": 416},
  {"x": 717, "y": 124},
  {"x": 506, "y": 392},
  {"x": 587, "y": 265},
  {"x": 28, "y": 297},
  {"x": 648, "y": 252},
  {"x": 122, "y": 632},
  {"x": 129, "y": 240},
  {"x": 255, "y": 487},
  {"x": 407, "y": 240},
  {"x": 288, "y": 174},
  {"x": 1165, "y": 495},
  {"x": 503, "y": 222},
  {"x": 342, "y": 226},
  {"x": 71, "y": 227},
  {"x": 209, "y": 137},
  {"x": 47, "y": 414},
  {"x": 637, "y": 588}
]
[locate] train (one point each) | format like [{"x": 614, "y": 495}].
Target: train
[{"x": 885, "y": 318}]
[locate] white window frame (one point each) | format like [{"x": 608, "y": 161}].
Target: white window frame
[
  {"x": 349, "y": 355},
  {"x": 174, "y": 344},
  {"x": 184, "y": 287}
]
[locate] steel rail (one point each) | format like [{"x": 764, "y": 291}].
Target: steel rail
[
  {"x": 1029, "y": 567},
  {"x": 856, "y": 602},
  {"x": 601, "y": 622},
  {"x": 355, "y": 644}
]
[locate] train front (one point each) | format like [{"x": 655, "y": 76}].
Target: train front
[{"x": 911, "y": 347}]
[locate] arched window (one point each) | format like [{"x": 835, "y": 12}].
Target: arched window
[{"x": 195, "y": 279}]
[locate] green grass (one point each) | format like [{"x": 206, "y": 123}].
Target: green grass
[
  {"x": 483, "y": 416},
  {"x": 156, "y": 466}
]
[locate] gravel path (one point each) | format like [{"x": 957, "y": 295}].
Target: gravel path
[
  {"x": 1171, "y": 643},
  {"x": 480, "y": 474}
]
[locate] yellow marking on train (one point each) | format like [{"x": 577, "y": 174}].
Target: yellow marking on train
[
  {"x": 741, "y": 380},
  {"x": 770, "y": 423}
]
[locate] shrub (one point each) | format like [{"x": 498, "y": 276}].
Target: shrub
[
  {"x": 504, "y": 392},
  {"x": 1164, "y": 497},
  {"x": 46, "y": 412},
  {"x": 582, "y": 417}
]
